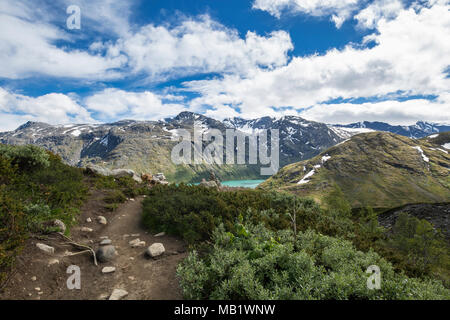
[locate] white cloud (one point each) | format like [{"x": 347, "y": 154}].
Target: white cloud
[
  {"x": 27, "y": 48},
  {"x": 338, "y": 10},
  {"x": 410, "y": 55},
  {"x": 113, "y": 104},
  {"x": 395, "y": 112},
  {"x": 378, "y": 10},
  {"x": 105, "y": 16},
  {"x": 200, "y": 45},
  {"x": 54, "y": 108}
]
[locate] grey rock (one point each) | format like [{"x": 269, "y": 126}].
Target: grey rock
[
  {"x": 118, "y": 294},
  {"x": 106, "y": 253},
  {"x": 137, "y": 243},
  {"x": 45, "y": 248},
  {"x": 108, "y": 269},
  {"x": 102, "y": 220},
  {"x": 155, "y": 250}
]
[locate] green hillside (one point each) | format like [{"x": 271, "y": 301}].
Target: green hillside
[{"x": 376, "y": 169}]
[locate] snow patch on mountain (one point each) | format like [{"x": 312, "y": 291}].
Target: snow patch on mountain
[{"x": 424, "y": 157}]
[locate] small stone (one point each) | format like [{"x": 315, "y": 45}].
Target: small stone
[
  {"x": 104, "y": 237},
  {"x": 131, "y": 278},
  {"x": 118, "y": 294},
  {"x": 33, "y": 278},
  {"x": 88, "y": 220},
  {"x": 40, "y": 292},
  {"x": 137, "y": 243},
  {"x": 135, "y": 235},
  {"x": 131, "y": 199},
  {"x": 45, "y": 248},
  {"x": 160, "y": 234},
  {"x": 37, "y": 289},
  {"x": 86, "y": 229},
  {"x": 60, "y": 225},
  {"x": 102, "y": 220},
  {"x": 155, "y": 250},
  {"x": 53, "y": 261},
  {"x": 108, "y": 269},
  {"x": 105, "y": 242},
  {"x": 126, "y": 235},
  {"x": 106, "y": 253}
]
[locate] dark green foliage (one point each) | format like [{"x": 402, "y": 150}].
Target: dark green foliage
[
  {"x": 193, "y": 212},
  {"x": 114, "y": 197},
  {"x": 254, "y": 263},
  {"x": 35, "y": 187},
  {"x": 422, "y": 245},
  {"x": 27, "y": 157}
]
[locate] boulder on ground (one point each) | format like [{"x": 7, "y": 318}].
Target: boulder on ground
[
  {"x": 116, "y": 173},
  {"x": 155, "y": 250},
  {"x": 98, "y": 170},
  {"x": 106, "y": 253},
  {"x": 118, "y": 294},
  {"x": 45, "y": 248},
  {"x": 137, "y": 243},
  {"x": 209, "y": 184},
  {"x": 108, "y": 269},
  {"x": 102, "y": 220}
]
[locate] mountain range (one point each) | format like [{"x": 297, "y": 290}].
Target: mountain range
[{"x": 145, "y": 146}]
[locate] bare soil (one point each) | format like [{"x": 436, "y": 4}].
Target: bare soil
[{"x": 143, "y": 278}]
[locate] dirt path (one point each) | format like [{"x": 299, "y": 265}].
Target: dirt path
[{"x": 39, "y": 276}]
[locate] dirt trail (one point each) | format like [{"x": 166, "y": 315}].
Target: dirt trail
[{"x": 142, "y": 277}]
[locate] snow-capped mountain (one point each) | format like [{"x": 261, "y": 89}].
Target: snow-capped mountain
[
  {"x": 299, "y": 138},
  {"x": 419, "y": 130},
  {"x": 146, "y": 145}
]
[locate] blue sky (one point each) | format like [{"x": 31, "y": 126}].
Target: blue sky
[{"x": 334, "y": 61}]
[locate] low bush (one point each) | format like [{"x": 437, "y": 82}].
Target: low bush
[
  {"x": 26, "y": 157},
  {"x": 192, "y": 212},
  {"x": 35, "y": 187},
  {"x": 255, "y": 263}
]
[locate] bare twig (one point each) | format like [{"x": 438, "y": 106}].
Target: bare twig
[{"x": 82, "y": 246}]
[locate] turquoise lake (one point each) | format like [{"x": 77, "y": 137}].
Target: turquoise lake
[{"x": 251, "y": 184}]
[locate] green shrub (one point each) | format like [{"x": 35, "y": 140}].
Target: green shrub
[
  {"x": 192, "y": 212},
  {"x": 260, "y": 264},
  {"x": 114, "y": 197},
  {"x": 26, "y": 157},
  {"x": 423, "y": 246},
  {"x": 30, "y": 198}
]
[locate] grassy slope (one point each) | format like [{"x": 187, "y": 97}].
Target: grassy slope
[{"x": 375, "y": 169}]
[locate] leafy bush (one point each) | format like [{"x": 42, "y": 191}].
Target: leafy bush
[
  {"x": 254, "y": 263},
  {"x": 30, "y": 197},
  {"x": 114, "y": 197},
  {"x": 26, "y": 157},
  {"x": 192, "y": 212},
  {"x": 423, "y": 246}
]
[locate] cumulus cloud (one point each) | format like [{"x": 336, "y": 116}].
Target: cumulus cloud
[
  {"x": 409, "y": 56},
  {"x": 27, "y": 48},
  {"x": 395, "y": 112},
  {"x": 113, "y": 104},
  {"x": 378, "y": 10},
  {"x": 54, "y": 108},
  {"x": 338, "y": 10},
  {"x": 200, "y": 45}
]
